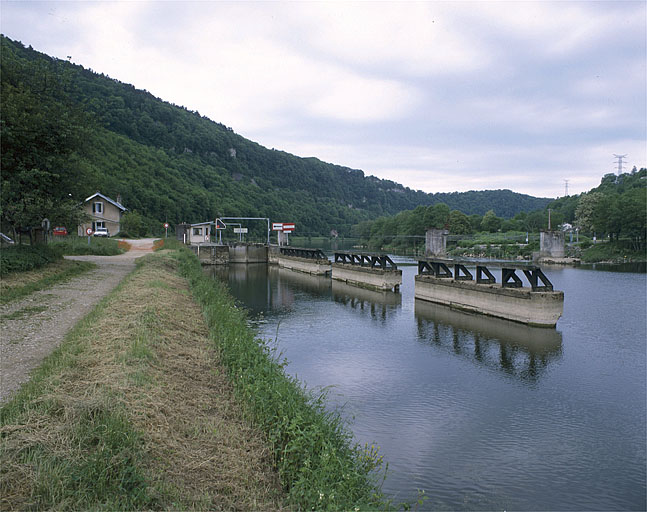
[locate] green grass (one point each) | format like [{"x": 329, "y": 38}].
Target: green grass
[
  {"x": 21, "y": 258},
  {"x": 46, "y": 277},
  {"x": 91, "y": 459},
  {"x": 23, "y": 313},
  {"x": 78, "y": 245},
  {"x": 320, "y": 466},
  {"x": 611, "y": 252}
]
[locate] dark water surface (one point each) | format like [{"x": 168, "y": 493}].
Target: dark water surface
[{"x": 482, "y": 414}]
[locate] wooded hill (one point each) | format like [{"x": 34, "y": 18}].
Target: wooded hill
[{"x": 68, "y": 130}]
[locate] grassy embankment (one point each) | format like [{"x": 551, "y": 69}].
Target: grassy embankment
[
  {"x": 27, "y": 269},
  {"x": 147, "y": 417}
]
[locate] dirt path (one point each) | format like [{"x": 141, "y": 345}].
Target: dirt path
[{"x": 30, "y": 329}]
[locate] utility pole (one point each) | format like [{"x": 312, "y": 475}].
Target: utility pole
[{"x": 620, "y": 162}]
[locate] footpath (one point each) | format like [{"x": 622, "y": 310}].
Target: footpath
[{"x": 30, "y": 329}]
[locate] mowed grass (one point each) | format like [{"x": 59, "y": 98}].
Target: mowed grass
[
  {"x": 17, "y": 285},
  {"x": 134, "y": 411}
]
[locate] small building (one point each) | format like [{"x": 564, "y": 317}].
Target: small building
[
  {"x": 104, "y": 213},
  {"x": 199, "y": 233}
]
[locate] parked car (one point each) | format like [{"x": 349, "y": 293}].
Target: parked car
[
  {"x": 59, "y": 231},
  {"x": 101, "y": 232}
]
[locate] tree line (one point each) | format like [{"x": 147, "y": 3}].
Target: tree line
[
  {"x": 68, "y": 132},
  {"x": 617, "y": 209}
]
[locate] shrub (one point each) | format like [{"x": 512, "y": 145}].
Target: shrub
[{"x": 20, "y": 258}]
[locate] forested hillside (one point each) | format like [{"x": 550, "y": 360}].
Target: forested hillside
[{"x": 68, "y": 132}]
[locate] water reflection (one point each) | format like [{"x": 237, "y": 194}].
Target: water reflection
[
  {"x": 286, "y": 278},
  {"x": 379, "y": 304},
  {"x": 517, "y": 350}
]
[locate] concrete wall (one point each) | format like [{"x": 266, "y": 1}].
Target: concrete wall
[
  {"x": 273, "y": 254},
  {"x": 551, "y": 243},
  {"x": 244, "y": 253},
  {"x": 373, "y": 278},
  {"x": 211, "y": 254},
  {"x": 436, "y": 242},
  {"x": 307, "y": 265},
  {"x": 517, "y": 304}
]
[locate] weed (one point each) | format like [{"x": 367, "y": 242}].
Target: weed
[
  {"x": 20, "y": 285},
  {"x": 24, "y": 312},
  {"x": 319, "y": 465}
]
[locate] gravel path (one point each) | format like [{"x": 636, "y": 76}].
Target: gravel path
[{"x": 30, "y": 329}]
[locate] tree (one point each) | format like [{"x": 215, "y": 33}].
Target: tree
[
  {"x": 437, "y": 216},
  {"x": 38, "y": 136},
  {"x": 586, "y": 211},
  {"x": 459, "y": 223},
  {"x": 133, "y": 224},
  {"x": 491, "y": 222}
]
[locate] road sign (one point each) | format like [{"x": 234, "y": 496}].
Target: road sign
[
  {"x": 240, "y": 230},
  {"x": 220, "y": 224},
  {"x": 288, "y": 226},
  {"x": 166, "y": 225},
  {"x": 89, "y": 231},
  {"x": 277, "y": 226}
]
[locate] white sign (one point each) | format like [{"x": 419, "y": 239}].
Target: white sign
[
  {"x": 288, "y": 226},
  {"x": 277, "y": 226},
  {"x": 88, "y": 231},
  {"x": 240, "y": 230}
]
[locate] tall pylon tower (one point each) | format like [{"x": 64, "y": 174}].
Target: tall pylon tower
[
  {"x": 620, "y": 162},
  {"x": 565, "y": 188}
]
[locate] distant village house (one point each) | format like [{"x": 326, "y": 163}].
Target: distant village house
[{"x": 104, "y": 213}]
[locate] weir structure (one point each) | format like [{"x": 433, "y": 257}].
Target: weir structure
[
  {"x": 373, "y": 271},
  {"x": 537, "y": 305},
  {"x": 310, "y": 261}
]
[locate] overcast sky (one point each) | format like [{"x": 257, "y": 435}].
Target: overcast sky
[{"x": 438, "y": 96}]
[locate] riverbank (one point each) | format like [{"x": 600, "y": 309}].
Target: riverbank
[
  {"x": 133, "y": 412},
  {"x": 144, "y": 405}
]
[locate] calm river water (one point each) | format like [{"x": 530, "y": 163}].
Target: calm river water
[{"x": 481, "y": 414}]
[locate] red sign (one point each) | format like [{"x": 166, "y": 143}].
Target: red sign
[
  {"x": 288, "y": 226},
  {"x": 220, "y": 224},
  {"x": 88, "y": 231},
  {"x": 166, "y": 225}
]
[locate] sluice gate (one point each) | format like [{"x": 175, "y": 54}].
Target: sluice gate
[
  {"x": 373, "y": 271},
  {"x": 451, "y": 283}
]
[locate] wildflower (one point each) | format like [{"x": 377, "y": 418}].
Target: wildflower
[{"x": 321, "y": 495}]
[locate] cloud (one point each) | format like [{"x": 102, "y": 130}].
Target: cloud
[{"x": 440, "y": 96}]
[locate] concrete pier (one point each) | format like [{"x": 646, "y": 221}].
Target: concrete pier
[
  {"x": 537, "y": 305},
  {"x": 371, "y": 278},
  {"x": 375, "y": 272},
  {"x": 309, "y": 261}
]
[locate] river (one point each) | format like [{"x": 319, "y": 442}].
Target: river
[{"x": 479, "y": 413}]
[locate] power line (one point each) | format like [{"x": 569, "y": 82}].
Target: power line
[{"x": 620, "y": 162}]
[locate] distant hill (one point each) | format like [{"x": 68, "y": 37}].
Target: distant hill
[{"x": 170, "y": 163}]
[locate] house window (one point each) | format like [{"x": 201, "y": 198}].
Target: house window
[
  {"x": 197, "y": 231},
  {"x": 97, "y": 207},
  {"x": 98, "y": 224}
]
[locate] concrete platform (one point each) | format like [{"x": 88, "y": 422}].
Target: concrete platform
[
  {"x": 366, "y": 277},
  {"x": 536, "y": 308},
  {"x": 312, "y": 266}
]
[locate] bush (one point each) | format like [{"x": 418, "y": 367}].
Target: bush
[
  {"x": 20, "y": 258},
  {"x": 78, "y": 245}
]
